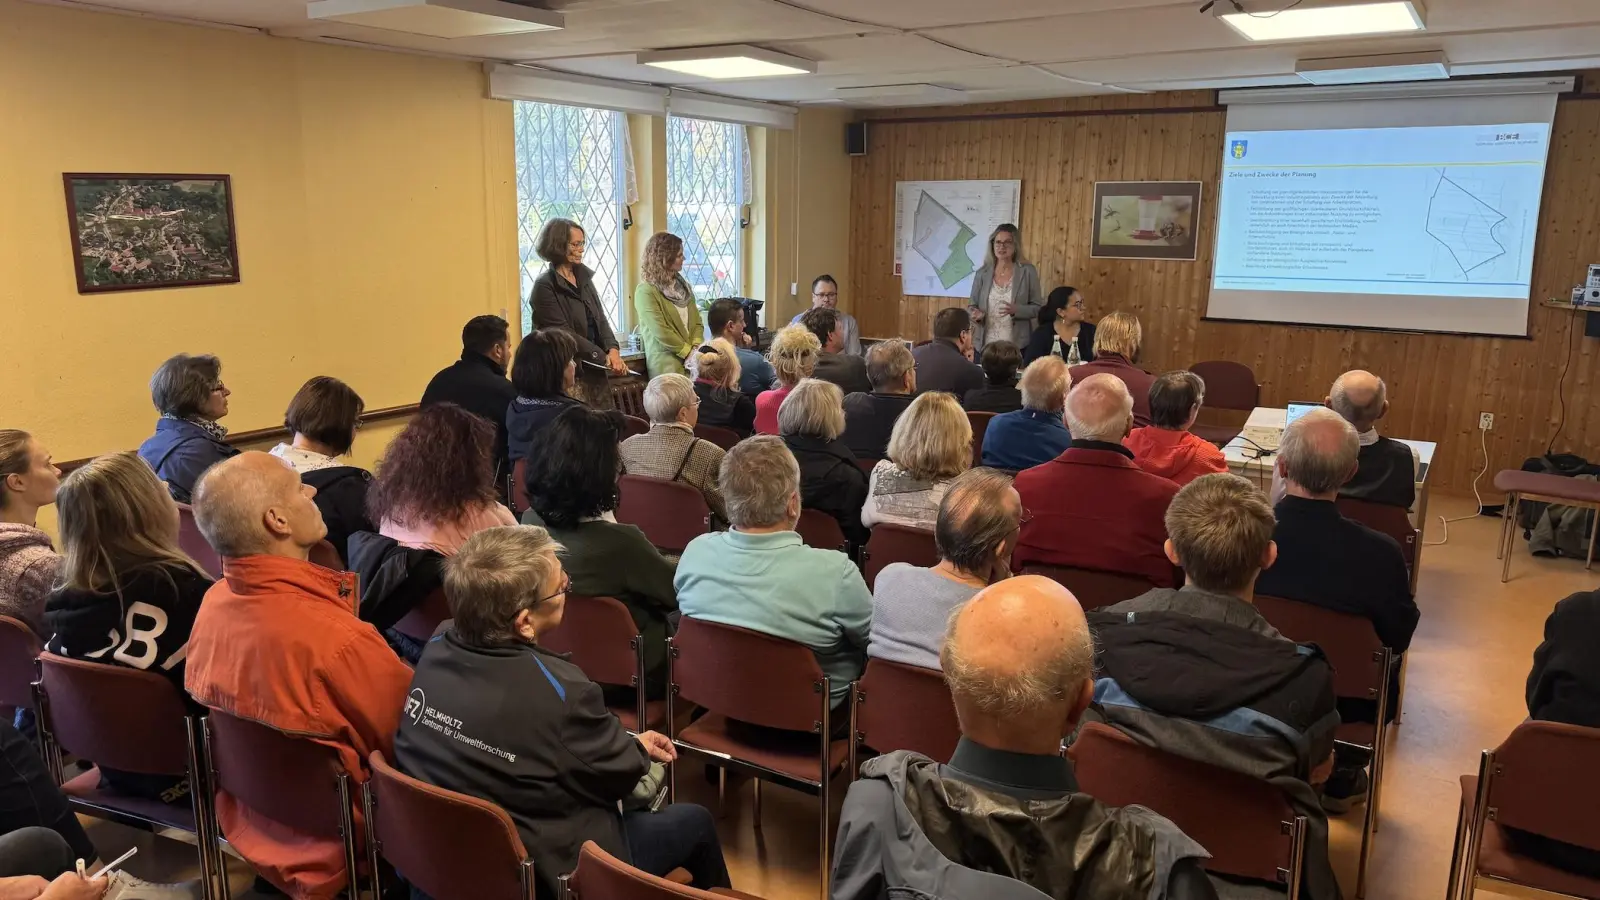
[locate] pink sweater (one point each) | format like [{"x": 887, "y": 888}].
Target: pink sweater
[
  {"x": 28, "y": 565},
  {"x": 447, "y": 537}
]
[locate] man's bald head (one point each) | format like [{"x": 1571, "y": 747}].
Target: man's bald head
[
  {"x": 255, "y": 504},
  {"x": 1099, "y": 408},
  {"x": 1360, "y": 397},
  {"x": 1019, "y": 661},
  {"x": 979, "y": 520},
  {"x": 1318, "y": 452}
]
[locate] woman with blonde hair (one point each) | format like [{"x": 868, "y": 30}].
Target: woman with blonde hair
[
  {"x": 669, "y": 321},
  {"x": 28, "y": 561},
  {"x": 794, "y": 356},
  {"x": 931, "y": 444},
  {"x": 1117, "y": 339},
  {"x": 127, "y": 594},
  {"x": 1005, "y": 295},
  {"x": 716, "y": 382}
]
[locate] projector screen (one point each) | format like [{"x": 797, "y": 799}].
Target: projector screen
[{"x": 1401, "y": 214}]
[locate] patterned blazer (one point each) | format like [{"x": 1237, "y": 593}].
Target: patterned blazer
[{"x": 672, "y": 452}]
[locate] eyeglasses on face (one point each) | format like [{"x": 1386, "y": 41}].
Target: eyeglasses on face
[
  {"x": 1004, "y": 242},
  {"x": 827, "y": 295},
  {"x": 566, "y": 584}
]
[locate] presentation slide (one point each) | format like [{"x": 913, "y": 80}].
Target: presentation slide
[{"x": 1441, "y": 211}]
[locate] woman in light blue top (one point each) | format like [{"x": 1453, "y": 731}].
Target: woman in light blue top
[
  {"x": 1005, "y": 293},
  {"x": 759, "y": 575}
]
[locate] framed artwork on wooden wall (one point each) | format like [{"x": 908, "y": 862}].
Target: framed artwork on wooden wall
[
  {"x": 1146, "y": 219},
  {"x": 135, "y": 232}
]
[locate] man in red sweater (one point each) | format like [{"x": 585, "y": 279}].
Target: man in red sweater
[
  {"x": 1165, "y": 447},
  {"x": 1092, "y": 507}
]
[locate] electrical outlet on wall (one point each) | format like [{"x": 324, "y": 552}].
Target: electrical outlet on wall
[{"x": 1486, "y": 421}]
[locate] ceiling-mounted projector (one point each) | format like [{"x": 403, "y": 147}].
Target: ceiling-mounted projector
[{"x": 438, "y": 18}]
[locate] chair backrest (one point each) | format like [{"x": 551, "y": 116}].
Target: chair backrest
[
  {"x": 451, "y": 846},
  {"x": 1543, "y": 782},
  {"x": 716, "y": 434},
  {"x": 290, "y": 779},
  {"x": 192, "y": 542},
  {"x": 601, "y": 876},
  {"x": 324, "y": 554},
  {"x": 1381, "y": 517},
  {"x": 747, "y": 675},
  {"x": 633, "y": 426},
  {"x": 1092, "y": 587},
  {"x": 519, "y": 487},
  {"x": 670, "y": 513},
  {"x": 425, "y": 617},
  {"x": 123, "y": 718},
  {"x": 897, "y": 543},
  {"x": 980, "y": 424},
  {"x": 602, "y": 637},
  {"x": 1245, "y": 824},
  {"x": 865, "y": 464},
  {"x": 901, "y": 707},
  {"x": 1348, "y": 640},
  {"x": 19, "y": 647},
  {"x": 820, "y": 530},
  {"x": 1229, "y": 385}
]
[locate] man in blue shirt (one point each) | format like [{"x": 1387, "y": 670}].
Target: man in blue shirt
[
  {"x": 725, "y": 319},
  {"x": 1036, "y": 433}
]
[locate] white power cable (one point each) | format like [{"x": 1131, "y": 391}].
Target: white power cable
[{"x": 1484, "y": 434}]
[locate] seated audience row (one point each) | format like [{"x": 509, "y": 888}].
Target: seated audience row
[
  {"x": 931, "y": 444},
  {"x": 1037, "y": 432},
  {"x": 794, "y": 357},
  {"x": 869, "y": 417},
  {"x": 716, "y": 383},
  {"x": 848, "y": 371},
  {"x": 811, "y": 420},
  {"x": 670, "y": 449},
  {"x": 1000, "y": 362}
]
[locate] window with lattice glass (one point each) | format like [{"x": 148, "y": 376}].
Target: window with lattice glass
[
  {"x": 705, "y": 172},
  {"x": 571, "y": 162}
]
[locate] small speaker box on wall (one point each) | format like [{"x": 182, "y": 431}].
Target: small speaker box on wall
[{"x": 855, "y": 138}]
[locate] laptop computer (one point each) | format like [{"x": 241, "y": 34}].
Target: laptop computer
[{"x": 1268, "y": 437}]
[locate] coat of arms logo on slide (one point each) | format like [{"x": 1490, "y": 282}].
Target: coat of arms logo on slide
[{"x": 1240, "y": 148}]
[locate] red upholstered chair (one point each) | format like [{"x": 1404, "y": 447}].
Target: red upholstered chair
[
  {"x": 519, "y": 487},
  {"x": 744, "y": 677},
  {"x": 449, "y": 845},
  {"x": 980, "y": 424},
  {"x": 1362, "y": 670},
  {"x": 901, "y": 707},
  {"x": 670, "y": 513},
  {"x": 1390, "y": 520},
  {"x": 327, "y": 556},
  {"x": 633, "y": 425},
  {"x": 1541, "y": 780},
  {"x": 19, "y": 647},
  {"x": 424, "y": 620},
  {"x": 606, "y": 644},
  {"x": 192, "y": 542},
  {"x": 1247, "y": 825},
  {"x": 290, "y": 779},
  {"x": 601, "y": 876},
  {"x": 1231, "y": 386},
  {"x": 866, "y": 465},
  {"x": 897, "y": 543},
  {"x": 1092, "y": 587},
  {"x": 716, "y": 434},
  {"x": 818, "y": 529},
  {"x": 132, "y": 721}
]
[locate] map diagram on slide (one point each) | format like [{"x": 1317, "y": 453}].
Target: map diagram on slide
[
  {"x": 941, "y": 238},
  {"x": 1464, "y": 219}
]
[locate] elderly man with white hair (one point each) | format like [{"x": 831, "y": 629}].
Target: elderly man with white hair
[
  {"x": 1092, "y": 507},
  {"x": 1036, "y": 433},
  {"x": 670, "y": 451},
  {"x": 1005, "y": 818},
  {"x": 760, "y": 575},
  {"x": 278, "y": 641}
]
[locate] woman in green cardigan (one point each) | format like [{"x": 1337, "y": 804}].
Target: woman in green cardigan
[{"x": 669, "y": 322}]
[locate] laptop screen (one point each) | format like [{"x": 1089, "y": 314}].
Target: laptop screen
[{"x": 1296, "y": 410}]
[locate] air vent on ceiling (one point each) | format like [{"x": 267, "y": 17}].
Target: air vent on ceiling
[
  {"x": 437, "y": 18},
  {"x": 1375, "y": 69},
  {"x": 899, "y": 94}
]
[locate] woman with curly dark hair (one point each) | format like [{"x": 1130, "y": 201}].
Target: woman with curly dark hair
[
  {"x": 572, "y": 491},
  {"x": 435, "y": 486}
]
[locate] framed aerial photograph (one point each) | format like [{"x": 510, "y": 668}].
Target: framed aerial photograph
[
  {"x": 1146, "y": 219},
  {"x": 134, "y": 232}
]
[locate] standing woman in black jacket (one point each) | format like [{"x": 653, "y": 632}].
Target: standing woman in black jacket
[
  {"x": 322, "y": 419},
  {"x": 564, "y": 296},
  {"x": 126, "y": 594}
]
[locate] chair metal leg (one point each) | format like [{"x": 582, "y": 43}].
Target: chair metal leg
[
  {"x": 525, "y": 876},
  {"x": 1297, "y": 856},
  {"x": 757, "y": 788},
  {"x": 856, "y": 699},
  {"x": 209, "y": 864},
  {"x": 1511, "y": 534},
  {"x": 672, "y": 730},
  {"x": 369, "y": 803},
  {"x": 226, "y": 889},
  {"x": 722, "y": 792},
  {"x": 1480, "y": 815},
  {"x": 1369, "y": 821},
  {"x": 1455, "y": 853},
  {"x": 823, "y": 815},
  {"x": 1505, "y": 522},
  {"x": 1588, "y": 562},
  {"x": 347, "y": 830}
]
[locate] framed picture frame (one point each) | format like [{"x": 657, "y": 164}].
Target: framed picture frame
[
  {"x": 134, "y": 232},
  {"x": 1146, "y": 220}
]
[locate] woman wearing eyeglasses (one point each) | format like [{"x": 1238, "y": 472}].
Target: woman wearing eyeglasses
[
  {"x": 1005, "y": 292},
  {"x": 564, "y": 296},
  {"x": 189, "y": 393},
  {"x": 1062, "y": 331}
]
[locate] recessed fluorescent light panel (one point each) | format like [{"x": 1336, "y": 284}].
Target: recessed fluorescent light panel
[
  {"x": 727, "y": 62},
  {"x": 1375, "y": 69},
  {"x": 1271, "y": 21},
  {"x": 450, "y": 19}
]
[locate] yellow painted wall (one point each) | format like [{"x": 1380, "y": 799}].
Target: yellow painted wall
[
  {"x": 802, "y": 223},
  {"x": 373, "y": 195}
]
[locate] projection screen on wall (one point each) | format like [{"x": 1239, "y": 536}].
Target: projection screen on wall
[{"x": 1370, "y": 209}]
